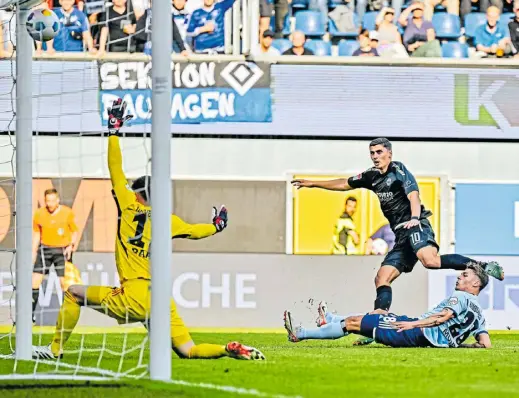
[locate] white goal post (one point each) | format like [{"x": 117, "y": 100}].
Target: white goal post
[{"x": 160, "y": 341}]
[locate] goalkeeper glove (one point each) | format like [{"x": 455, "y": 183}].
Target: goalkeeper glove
[
  {"x": 116, "y": 117},
  {"x": 220, "y": 218}
]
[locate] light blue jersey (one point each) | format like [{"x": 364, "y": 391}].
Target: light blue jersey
[{"x": 468, "y": 321}]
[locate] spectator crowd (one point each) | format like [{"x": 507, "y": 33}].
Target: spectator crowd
[{"x": 419, "y": 28}]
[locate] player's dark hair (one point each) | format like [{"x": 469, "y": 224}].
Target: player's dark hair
[
  {"x": 142, "y": 186},
  {"x": 382, "y": 141},
  {"x": 480, "y": 273},
  {"x": 51, "y": 191},
  {"x": 350, "y": 199}
]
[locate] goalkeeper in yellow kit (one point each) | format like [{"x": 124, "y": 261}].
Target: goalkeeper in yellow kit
[{"x": 131, "y": 302}]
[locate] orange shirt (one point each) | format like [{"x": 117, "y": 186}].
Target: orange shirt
[{"x": 55, "y": 229}]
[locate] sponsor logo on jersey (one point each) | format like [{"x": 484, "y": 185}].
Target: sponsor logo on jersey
[{"x": 385, "y": 196}]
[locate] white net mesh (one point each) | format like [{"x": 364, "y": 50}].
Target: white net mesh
[{"x": 72, "y": 161}]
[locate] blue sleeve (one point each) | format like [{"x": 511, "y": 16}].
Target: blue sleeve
[
  {"x": 481, "y": 330},
  {"x": 503, "y": 29},
  {"x": 478, "y": 36},
  {"x": 408, "y": 181},
  {"x": 457, "y": 302},
  {"x": 362, "y": 180},
  {"x": 84, "y": 22},
  {"x": 194, "y": 23},
  {"x": 226, "y": 4}
]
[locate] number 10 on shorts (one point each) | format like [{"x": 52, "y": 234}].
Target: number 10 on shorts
[{"x": 415, "y": 238}]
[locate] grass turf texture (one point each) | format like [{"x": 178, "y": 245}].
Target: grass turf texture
[{"x": 308, "y": 369}]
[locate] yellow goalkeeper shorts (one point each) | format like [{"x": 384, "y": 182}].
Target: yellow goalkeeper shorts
[{"x": 131, "y": 303}]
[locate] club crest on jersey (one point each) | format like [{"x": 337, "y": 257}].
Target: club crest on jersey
[
  {"x": 389, "y": 181},
  {"x": 453, "y": 301}
]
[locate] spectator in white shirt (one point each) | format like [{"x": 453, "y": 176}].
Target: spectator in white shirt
[{"x": 265, "y": 47}]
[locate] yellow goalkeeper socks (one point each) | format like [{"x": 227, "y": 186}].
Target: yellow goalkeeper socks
[
  {"x": 67, "y": 319},
  {"x": 207, "y": 351}
]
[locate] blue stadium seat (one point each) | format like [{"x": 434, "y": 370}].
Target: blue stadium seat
[
  {"x": 319, "y": 47},
  {"x": 334, "y": 3},
  {"x": 446, "y": 26},
  {"x": 368, "y": 21},
  {"x": 282, "y": 44},
  {"x": 348, "y": 35},
  {"x": 299, "y": 5},
  {"x": 286, "y": 26},
  {"x": 455, "y": 49},
  {"x": 311, "y": 23},
  {"x": 472, "y": 21},
  {"x": 347, "y": 47},
  {"x": 506, "y": 18}
]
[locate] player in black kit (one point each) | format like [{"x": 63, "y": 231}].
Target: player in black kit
[{"x": 399, "y": 198}]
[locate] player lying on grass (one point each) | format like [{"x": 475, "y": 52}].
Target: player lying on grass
[
  {"x": 449, "y": 324},
  {"x": 399, "y": 198},
  {"x": 131, "y": 301}
]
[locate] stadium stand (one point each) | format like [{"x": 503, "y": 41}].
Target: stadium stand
[
  {"x": 446, "y": 26},
  {"x": 311, "y": 23},
  {"x": 319, "y": 47},
  {"x": 327, "y": 34},
  {"x": 347, "y": 47},
  {"x": 455, "y": 49}
]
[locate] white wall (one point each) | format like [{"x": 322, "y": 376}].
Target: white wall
[{"x": 268, "y": 159}]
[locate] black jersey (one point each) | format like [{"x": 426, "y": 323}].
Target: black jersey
[{"x": 392, "y": 189}]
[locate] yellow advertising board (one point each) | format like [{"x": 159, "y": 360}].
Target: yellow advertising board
[{"x": 315, "y": 213}]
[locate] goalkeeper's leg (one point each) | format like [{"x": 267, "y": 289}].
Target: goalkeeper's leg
[
  {"x": 184, "y": 346},
  {"x": 75, "y": 297}
]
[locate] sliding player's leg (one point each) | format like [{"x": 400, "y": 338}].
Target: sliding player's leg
[
  {"x": 378, "y": 327},
  {"x": 325, "y": 316},
  {"x": 184, "y": 346}
]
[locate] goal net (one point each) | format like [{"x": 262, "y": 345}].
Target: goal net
[
  {"x": 69, "y": 155},
  {"x": 70, "y": 96}
]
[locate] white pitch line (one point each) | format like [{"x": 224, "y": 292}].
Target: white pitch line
[
  {"x": 110, "y": 375},
  {"x": 231, "y": 389}
]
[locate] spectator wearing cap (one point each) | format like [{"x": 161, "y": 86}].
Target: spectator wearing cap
[
  {"x": 491, "y": 39},
  {"x": 419, "y": 36},
  {"x": 513, "y": 27},
  {"x": 389, "y": 38},
  {"x": 265, "y": 47},
  {"x": 298, "y": 45},
  {"x": 368, "y": 41}
]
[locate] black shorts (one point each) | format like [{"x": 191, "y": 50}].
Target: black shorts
[
  {"x": 48, "y": 256},
  {"x": 408, "y": 242},
  {"x": 266, "y": 9}
]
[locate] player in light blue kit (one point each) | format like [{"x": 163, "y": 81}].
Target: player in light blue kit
[{"x": 449, "y": 324}]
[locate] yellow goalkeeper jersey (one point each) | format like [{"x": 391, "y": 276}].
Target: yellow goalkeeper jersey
[{"x": 133, "y": 242}]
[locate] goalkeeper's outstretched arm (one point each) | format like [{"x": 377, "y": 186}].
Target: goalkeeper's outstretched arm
[
  {"x": 181, "y": 229},
  {"x": 115, "y": 162},
  {"x": 116, "y": 119}
]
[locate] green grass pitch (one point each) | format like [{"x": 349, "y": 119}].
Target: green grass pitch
[{"x": 306, "y": 369}]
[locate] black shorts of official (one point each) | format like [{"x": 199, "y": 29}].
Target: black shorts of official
[
  {"x": 266, "y": 9},
  {"x": 48, "y": 256},
  {"x": 408, "y": 242}
]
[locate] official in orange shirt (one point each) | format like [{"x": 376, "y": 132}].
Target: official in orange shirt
[{"x": 54, "y": 239}]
